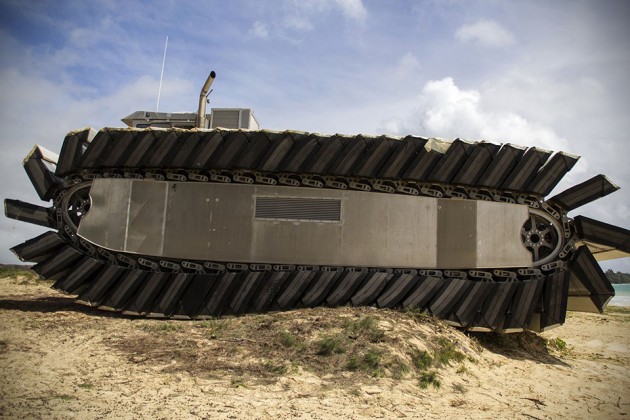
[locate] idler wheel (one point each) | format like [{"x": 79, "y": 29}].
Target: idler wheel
[
  {"x": 542, "y": 236},
  {"x": 76, "y": 203}
]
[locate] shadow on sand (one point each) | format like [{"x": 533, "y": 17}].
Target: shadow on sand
[
  {"x": 518, "y": 346},
  {"x": 525, "y": 345},
  {"x": 50, "y": 304}
]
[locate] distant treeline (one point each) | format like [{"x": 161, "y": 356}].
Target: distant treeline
[{"x": 618, "y": 277}]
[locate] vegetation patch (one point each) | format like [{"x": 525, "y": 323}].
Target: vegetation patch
[
  {"x": 426, "y": 363},
  {"x": 557, "y": 344},
  {"x": 429, "y": 378},
  {"x": 212, "y": 327},
  {"x": 15, "y": 271},
  {"x": 330, "y": 344},
  {"x": 617, "y": 277},
  {"x": 446, "y": 353},
  {"x": 287, "y": 339},
  {"x": 21, "y": 275},
  {"x": 369, "y": 362},
  {"x": 366, "y": 327},
  {"x": 275, "y": 368},
  {"x": 342, "y": 343},
  {"x": 417, "y": 314},
  {"x": 421, "y": 359},
  {"x": 397, "y": 368}
]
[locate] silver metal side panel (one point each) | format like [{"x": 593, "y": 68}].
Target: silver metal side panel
[{"x": 304, "y": 226}]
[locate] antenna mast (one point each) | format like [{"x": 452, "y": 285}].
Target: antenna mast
[{"x": 157, "y": 108}]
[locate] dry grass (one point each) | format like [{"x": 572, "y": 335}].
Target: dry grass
[{"x": 340, "y": 342}]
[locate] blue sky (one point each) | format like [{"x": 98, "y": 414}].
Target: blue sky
[{"x": 549, "y": 74}]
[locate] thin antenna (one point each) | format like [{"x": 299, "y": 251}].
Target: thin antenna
[{"x": 157, "y": 108}]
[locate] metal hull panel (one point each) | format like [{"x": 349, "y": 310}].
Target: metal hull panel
[{"x": 225, "y": 222}]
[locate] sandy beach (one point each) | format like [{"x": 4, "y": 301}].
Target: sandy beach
[{"x": 59, "y": 359}]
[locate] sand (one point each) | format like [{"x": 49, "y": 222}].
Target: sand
[{"x": 59, "y": 359}]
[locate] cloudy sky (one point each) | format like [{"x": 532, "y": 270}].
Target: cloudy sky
[{"x": 540, "y": 73}]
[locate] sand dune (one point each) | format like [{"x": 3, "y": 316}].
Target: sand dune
[{"x": 62, "y": 360}]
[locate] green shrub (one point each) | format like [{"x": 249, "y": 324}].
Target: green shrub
[
  {"x": 557, "y": 343},
  {"x": 417, "y": 314},
  {"x": 372, "y": 358},
  {"x": 270, "y": 367},
  {"x": 421, "y": 360},
  {"x": 429, "y": 378},
  {"x": 288, "y": 340},
  {"x": 369, "y": 362},
  {"x": 446, "y": 352},
  {"x": 366, "y": 327},
  {"x": 329, "y": 345},
  {"x": 397, "y": 367}
]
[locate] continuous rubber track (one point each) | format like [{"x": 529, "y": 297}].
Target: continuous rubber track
[{"x": 494, "y": 300}]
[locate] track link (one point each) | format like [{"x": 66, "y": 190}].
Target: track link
[{"x": 493, "y": 300}]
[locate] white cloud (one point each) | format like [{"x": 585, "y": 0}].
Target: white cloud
[
  {"x": 352, "y": 9},
  {"x": 286, "y": 20},
  {"x": 84, "y": 37},
  {"x": 297, "y": 23},
  {"x": 81, "y": 37},
  {"x": 409, "y": 62},
  {"x": 259, "y": 30},
  {"x": 57, "y": 112},
  {"x": 447, "y": 111},
  {"x": 403, "y": 72},
  {"x": 487, "y": 33}
]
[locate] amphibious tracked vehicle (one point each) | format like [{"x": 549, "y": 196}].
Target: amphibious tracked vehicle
[{"x": 193, "y": 215}]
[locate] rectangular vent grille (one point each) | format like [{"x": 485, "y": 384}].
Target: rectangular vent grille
[
  {"x": 226, "y": 118},
  {"x": 305, "y": 209}
]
